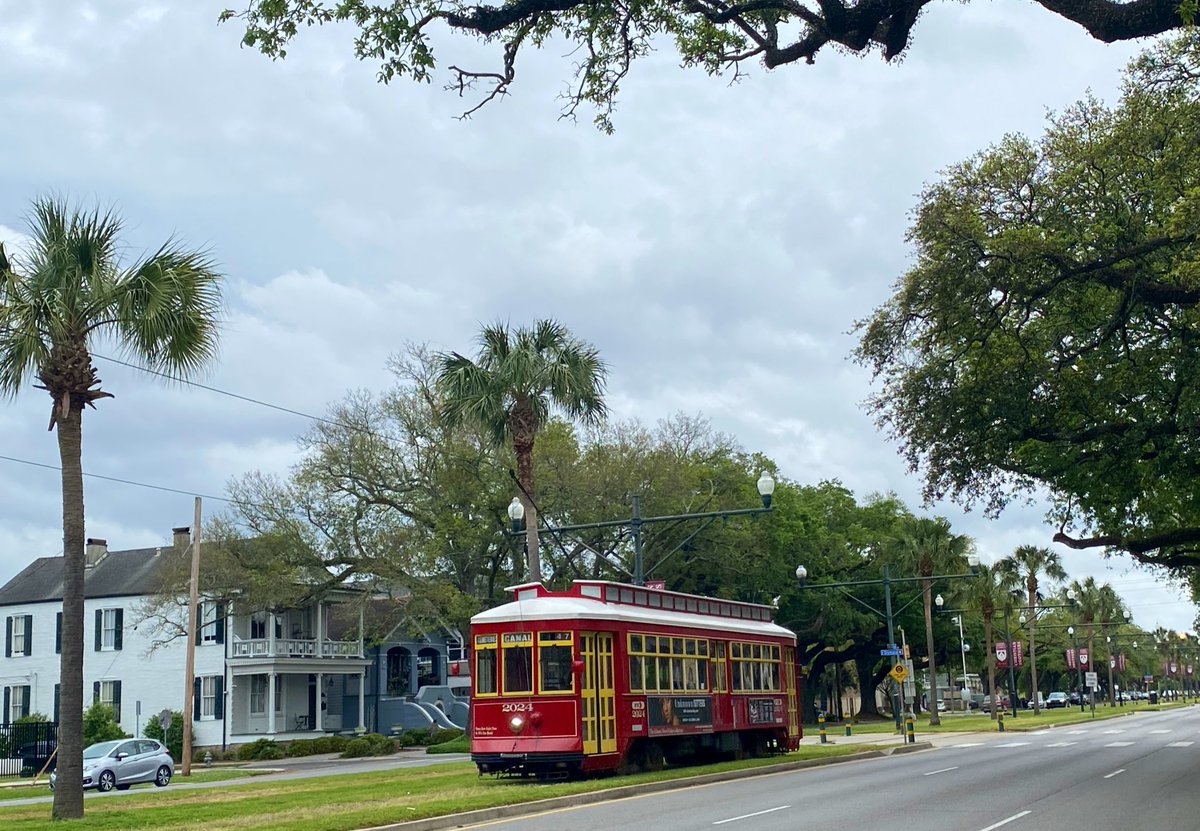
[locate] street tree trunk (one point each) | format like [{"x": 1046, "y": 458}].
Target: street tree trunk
[
  {"x": 1112, "y": 692},
  {"x": 68, "y": 792},
  {"x": 990, "y": 646},
  {"x": 524, "y": 451},
  {"x": 1033, "y": 682},
  {"x": 927, "y": 590}
]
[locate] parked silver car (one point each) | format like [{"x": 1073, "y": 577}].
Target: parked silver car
[{"x": 125, "y": 762}]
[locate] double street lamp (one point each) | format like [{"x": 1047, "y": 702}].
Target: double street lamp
[
  {"x": 766, "y": 491},
  {"x": 1078, "y": 667}
]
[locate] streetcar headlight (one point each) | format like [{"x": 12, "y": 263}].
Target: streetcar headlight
[{"x": 516, "y": 724}]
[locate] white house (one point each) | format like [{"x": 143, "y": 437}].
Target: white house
[{"x": 256, "y": 673}]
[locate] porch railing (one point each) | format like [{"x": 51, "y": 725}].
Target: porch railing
[{"x": 294, "y": 648}]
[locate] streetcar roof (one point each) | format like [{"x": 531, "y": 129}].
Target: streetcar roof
[{"x": 571, "y": 608}]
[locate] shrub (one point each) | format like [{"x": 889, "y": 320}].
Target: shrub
[
  {"x": 174, "y": 736},
  {"x": 260, "y": 750},
  {"x": 371, "y": 744},
  {"x": 330, "y": 744},
  {"x": 100, "y": 725},
  {"x": 459, "y": 744},
  {"x": 300, "y": 747}
]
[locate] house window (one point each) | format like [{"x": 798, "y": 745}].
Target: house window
[
  {"x": 208, "y": 622},
  {"x": 110, "y": 629},
  {"x": 108, "y": 692},
  {"x": 258, "y": 626},
  {"x": 399, "y": 671},
  {"x": 18, "y": 635},
  {"x": 208, "y": 696},
  {"x": 16, "y": 703},
  {"x": 258, "y": 695},
  {"x": 428, "y": 668},
  {"x": 278, "y": 693}
]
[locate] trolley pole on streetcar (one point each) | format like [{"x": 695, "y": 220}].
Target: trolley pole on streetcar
[
  {"x": 888, "y": 614},
  {"x": 635, "y": 523}
]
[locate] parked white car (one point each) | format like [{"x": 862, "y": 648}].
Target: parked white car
[{"x": 125, "y": 762}]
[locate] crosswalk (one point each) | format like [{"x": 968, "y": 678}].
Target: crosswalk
[{"x": 1107, "y": 737}]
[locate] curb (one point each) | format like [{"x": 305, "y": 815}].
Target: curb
[{"x": 538, "y": 806}]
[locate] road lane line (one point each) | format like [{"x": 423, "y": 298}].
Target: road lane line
[
  {"x": 755, "y": 814},
  {"x": 1013, "y": 744},
  {"x": 1153, "y": 732},
  {"x": 943, "y": 770},
  {"x": 970, "y": 744},
  {"x": 1113, "y": 731},
  {"x": 1062, "y": 744},
  {"x": 1075, "y": 732},
  {"x": 1181, "y": 744},
  {"x": 996, "y": 825},
  {"x": 1118, "y": 744},
  {"x": 1114, "y": 773}
]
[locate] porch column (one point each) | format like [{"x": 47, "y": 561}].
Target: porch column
[
  {"x": 271, "y": 701},
  {"x": 361, "y": 620},
  {"x": 362, "y": 701},
  {"x": 271, "y": 634},
  {"x": 320, "y": 633},
  {"x": 320, "y": 725}
]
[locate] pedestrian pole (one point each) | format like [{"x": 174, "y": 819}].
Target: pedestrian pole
[
  {"x": 848, "y": 733},
  {"x": 909, "y": 728},
  {"x": 821, "y": 724},
  {"x": 1000, "y": 721}
]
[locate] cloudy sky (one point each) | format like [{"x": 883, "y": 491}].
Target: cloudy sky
[{"x": 717, "y": 249}]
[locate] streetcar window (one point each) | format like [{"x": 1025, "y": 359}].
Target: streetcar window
[
  {"x": 518, "y": 669},
  {"x": 555, "y": 672},
  {"x": 651, "y": 644},
  {"x": 610, "y": 593},
  {"x": 655, "y": 601},
  {"x": 651, "y": 675},
  {"x": 485, "y": 671},
  {"x": 664, "y": 673},
  {"x": 691, "y": 675},
  {"x": 664, "y": 646},
  {"x": 626, "y": 595},
  {"x": 635, "y": 643},
  {"x": 635, "y": 674},
  {"x": 735, "y": 650},
  {"x": 639, "y": 598},
  {"x": 689, "y": 646},
  {"x": 704, "y": 607},
  {"x": 702, "y": 648},
  {"x": 691, "y": 605},
  {"x": 676, "y": 646},
  {"x": 590, "y": 591}
]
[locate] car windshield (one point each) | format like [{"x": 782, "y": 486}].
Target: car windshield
[{"x": 98, "y": 750}]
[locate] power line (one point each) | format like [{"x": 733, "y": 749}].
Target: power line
[{"x": 125, "y": 481}]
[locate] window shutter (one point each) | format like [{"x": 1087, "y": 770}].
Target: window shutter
[
  {"x": 99, "y": 627},
  {"x": 116, "y": 705},
  {"x": 26, "y": 699},
  {"x": 28, "y": 636},
  {"x": 120, "y": 626},
  {"x": 199, "y": 614},
  {"x": 57, "y": 690},
  {"x": 220, "y": 623},
  {"x": 95, "y": 692},
  {"x": 196, "y": 699},
  {"x": 58, "y": 635},
  {"x": 219, "y": 704},
  {"x": 7, "y": 702},
  {"x": 7, "y": 644}
]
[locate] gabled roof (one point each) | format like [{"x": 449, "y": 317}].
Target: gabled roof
[{"x": 118, "y": 574}]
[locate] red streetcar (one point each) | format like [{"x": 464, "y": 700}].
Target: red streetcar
[{"x": 608, "y": 676}]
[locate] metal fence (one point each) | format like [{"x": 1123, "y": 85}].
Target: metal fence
[{"x": 26, "y": 748}]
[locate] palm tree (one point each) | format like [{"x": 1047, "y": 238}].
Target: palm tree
[
  {"x": 987, "y": 593},
  {"x": 72, "y": 289},
  {"x": 1098, "y": 604},
  {"x": 930, "y": 547},
  {"x": 518, "y": 378},
  {"x": 1025, "y": 564}
]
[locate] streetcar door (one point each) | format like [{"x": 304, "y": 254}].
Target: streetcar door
[
  {"x": 598, "y": 696},
  {"x": 790, "y": 682}
]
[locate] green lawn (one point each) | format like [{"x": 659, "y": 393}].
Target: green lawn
[
  {"x": 340, "y": 803},
  {"x": 1026, "y": 720}
]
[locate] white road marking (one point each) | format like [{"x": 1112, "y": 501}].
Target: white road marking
[
  {"x": 1075, "y": 732},
  {"x": 943, "y": 770},
  {"x": 755, "y": 814},
  {"x": 1181, "y": 744},
  {"x": 1012, "y": 744},
  {"x": 1154, "y": 732},
  {"x": 1114, "y": 773},
  {"x": 1109, "y": 732},
  {"x": 996, "y": 825},
  {"x": 1118, "y": 744},
  {"x": 1062, "y": 744},
  {"x": 970, "y": 744},
  {"x": 1041, "y": 732}
]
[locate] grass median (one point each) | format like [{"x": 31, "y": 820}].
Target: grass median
[
  {"x": 341, "y": 803},
  {"x": 983, "y": 722},
  {"x": 28, "y": 789}
]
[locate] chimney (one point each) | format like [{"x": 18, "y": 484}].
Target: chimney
[
  {"x": 95, "y": 551},
  {"x": 181, "y": 538}
]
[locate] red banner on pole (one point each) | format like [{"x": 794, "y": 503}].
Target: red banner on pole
[
  {"x": 1121, "y": 662},
  {"x": 1070, "y": 659}
]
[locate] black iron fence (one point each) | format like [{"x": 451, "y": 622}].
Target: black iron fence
[{"x": 27, "y": 749}]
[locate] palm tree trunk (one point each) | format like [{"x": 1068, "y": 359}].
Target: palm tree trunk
[
  {"x": 524, "y": 451},
  {"x": 68, "y": 793},
  {"x": 1033, "y": 682},
  {"x": 926, "y": 590},
  {"x": 1091, "y": 657},
  {"x": 991, "y": 661}
]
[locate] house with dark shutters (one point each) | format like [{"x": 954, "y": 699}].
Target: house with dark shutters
[{"x": 257, "y": 673}]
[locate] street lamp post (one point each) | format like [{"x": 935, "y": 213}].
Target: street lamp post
[
  {"x": 635, "y": 523},
  {"x": 1036, "y": 612},
  {"x": 887, "y": 614},
  {"x": 1078, "y": 667}
]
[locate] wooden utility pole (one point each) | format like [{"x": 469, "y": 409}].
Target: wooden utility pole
[{"x": 193, "y": 622}]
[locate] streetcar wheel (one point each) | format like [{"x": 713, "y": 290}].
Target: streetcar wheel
[{"x": 654, "y": 757}]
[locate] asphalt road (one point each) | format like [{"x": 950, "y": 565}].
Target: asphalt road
[{"x": 1136, "y": 773}]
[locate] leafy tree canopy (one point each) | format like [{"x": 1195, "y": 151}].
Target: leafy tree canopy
[
  {"x": 1048, "y": 337},
  {"x": 715, "y": 35}
]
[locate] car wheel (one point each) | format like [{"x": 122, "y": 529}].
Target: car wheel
[
  {"x": 163, "y": 777},
  {"x": 106, "y": 782}
]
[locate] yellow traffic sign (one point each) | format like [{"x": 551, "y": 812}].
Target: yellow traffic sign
[{"x": 899, "y": 672}]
